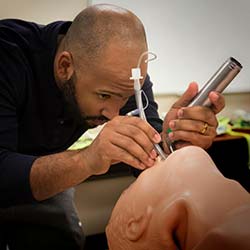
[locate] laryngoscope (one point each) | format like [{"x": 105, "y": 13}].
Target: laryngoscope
[{"x": 218, "y": 82}]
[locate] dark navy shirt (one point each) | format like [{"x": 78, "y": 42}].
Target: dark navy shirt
[{"x": 34, "y": 117}]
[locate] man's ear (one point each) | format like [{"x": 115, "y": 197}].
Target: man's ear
[
  {"x": 64, "y": 66},
  {"x": 136, "y": 226}
]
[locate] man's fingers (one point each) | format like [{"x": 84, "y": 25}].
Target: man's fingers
[
  {"x": 217, "y": 100},
  {"x": 198, "y": 113},
  {"x": 129, "y": 146},
  {"x": 126, "y": 123}
]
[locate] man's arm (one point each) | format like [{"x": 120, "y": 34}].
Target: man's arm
[
  {"x": 55, "y": 173},
  {"x": 27, "y": 178},
  {"x": 123, "y": 139}
]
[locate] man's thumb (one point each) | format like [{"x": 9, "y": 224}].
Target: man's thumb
[{"x": 188, "y": 95}]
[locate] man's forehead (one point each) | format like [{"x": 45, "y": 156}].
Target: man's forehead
[
  {"x": 123, "y": 72},
  {"x": 118, "y": 87},
  {"x": 121, "y": 58}
]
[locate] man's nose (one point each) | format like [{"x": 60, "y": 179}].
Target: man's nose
[{"x": 111, "y": 112}]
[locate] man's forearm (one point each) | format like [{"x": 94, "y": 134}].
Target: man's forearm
[{"x": 54, "y": 173}]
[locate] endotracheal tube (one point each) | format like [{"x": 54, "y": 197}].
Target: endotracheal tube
[{"x": 136, "y": 76}]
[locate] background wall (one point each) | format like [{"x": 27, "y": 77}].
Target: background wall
[
  {"x": 43, "y": 12},
  {"x": 234, "y": 102},
  {"x": 192, "y": 39}
]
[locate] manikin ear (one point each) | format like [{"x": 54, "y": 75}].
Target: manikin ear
[
  {"x": 136, "y": 226},
  {"x": 64, "y": 66}
]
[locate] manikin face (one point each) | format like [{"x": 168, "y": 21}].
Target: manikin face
[
  {"x": 138, "y": 218},
  {"x": 101, "y": 91},
  {"x": 175, "y": 203}
]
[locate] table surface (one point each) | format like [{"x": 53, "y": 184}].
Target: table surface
[{"x": 226, "y": 137}]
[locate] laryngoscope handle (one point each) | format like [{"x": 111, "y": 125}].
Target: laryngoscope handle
[{"x": 218, "y": 82}]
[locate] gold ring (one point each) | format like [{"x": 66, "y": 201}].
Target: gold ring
[{"x": 204, "y": 129}]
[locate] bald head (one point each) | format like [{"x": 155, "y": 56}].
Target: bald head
[{"x": 99, "y": 25}]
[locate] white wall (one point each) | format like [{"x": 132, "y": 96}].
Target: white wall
[
  {"x": 233, "y": 101},
  {"x": 193, "y": 38},
  {"x": 43, "y": 12}
]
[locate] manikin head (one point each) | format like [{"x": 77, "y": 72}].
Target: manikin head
[
  {"x": 174, "y": 204},
  {"x": 94, "y": 59}
]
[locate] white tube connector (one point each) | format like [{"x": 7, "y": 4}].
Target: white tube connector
[{"x": 136, "y": 74}]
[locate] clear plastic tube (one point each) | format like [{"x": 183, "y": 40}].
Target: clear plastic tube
[{"x": 136, "y": 76}]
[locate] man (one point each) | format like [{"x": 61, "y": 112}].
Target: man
[
  {"x": 181, "y": 203},
  {"x": 56, "y": 81}
]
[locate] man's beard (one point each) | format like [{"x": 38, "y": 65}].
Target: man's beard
[{"x": 69, "y": 93}]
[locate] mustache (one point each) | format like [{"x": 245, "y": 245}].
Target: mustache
[{"x": 100, "y": 118}]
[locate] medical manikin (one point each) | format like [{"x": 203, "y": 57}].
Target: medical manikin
[{"x": 183, "y": 202}]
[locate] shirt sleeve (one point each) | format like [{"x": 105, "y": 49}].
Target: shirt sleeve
[
  {"x": 151, "y": 109},
  {"x": 14, "y": 167}
]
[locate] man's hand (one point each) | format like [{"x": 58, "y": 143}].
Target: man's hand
[
  {"x": 192, "y": 125},
  {"x": 123, "y": 139}
]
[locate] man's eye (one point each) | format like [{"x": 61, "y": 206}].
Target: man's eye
[{"x": 104, "y": 96}]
